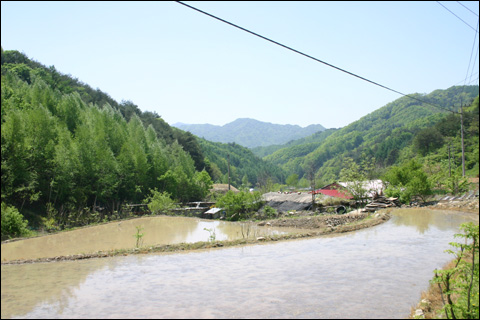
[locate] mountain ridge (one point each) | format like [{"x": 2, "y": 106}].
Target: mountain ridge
[{"x": 250, "y": 132}]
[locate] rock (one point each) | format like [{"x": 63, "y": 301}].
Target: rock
[
  {"x": 260, "y": 238},
  {"x": 419, "y": 313}
]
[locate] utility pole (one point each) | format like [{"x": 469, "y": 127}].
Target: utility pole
[
  {"x": 229, "y": 172},
  {"x": 449, "y": 165},
  {"x": 311, "y": 176},
  {"x": 462, "y": 137},
  {"x": 463, "y": 145}
]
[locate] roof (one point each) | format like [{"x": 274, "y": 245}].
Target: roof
[
  {"x": 334, "y": 193},
  {"x": 223, "y": 187},
  {"x": 332, "y": 186},
  {"x": 214, "y": 210},
  {"x": 372, "y": 187}
]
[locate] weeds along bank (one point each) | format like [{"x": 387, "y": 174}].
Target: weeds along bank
[{"x": 454, "y": 290}]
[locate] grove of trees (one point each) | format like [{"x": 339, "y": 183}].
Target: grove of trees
[{"x": 66, "y": 158}]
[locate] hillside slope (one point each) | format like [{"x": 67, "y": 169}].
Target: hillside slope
[{"x": 383, "y": 135}]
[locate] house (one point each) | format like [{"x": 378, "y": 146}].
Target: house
[
  {"x": 335, "y": 190},
  {"x": 372, "y": 187}
]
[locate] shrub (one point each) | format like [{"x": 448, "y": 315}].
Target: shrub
[
  {"x": 159, "y": 202},
  {"x": 269, "y": 212},
  {"x": 240, "y": 205},
  {"x": 408, "y": 181},
  {"x": 459, "y": 285},
  {"x": 13, "y": 223}
]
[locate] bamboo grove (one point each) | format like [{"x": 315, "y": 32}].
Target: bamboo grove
[{"x": 62, "y": 154}]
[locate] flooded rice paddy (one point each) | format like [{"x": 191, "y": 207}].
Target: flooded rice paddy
[
  {"x": 156, "y": 230},
  {"x": 377, "y": 272}
]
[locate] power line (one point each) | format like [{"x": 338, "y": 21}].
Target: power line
[
  {"x": 306, "y": 55},
  {"x": 467, "y": 8},
  {"x": 475, "y": 59},
  {"x": 469, "y": 81},
  {"x": 457, "y": 16},
  {"x": 471, "y": 75},
  {"x": 471, "y": 54},
  {"x": 469, "y": 62}
]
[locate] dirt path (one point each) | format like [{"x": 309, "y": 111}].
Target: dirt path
[{"x": 470, "y": 205}]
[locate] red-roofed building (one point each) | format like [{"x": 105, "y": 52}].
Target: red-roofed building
[{"x": 335, "y": 190}]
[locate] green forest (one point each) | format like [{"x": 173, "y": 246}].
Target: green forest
[
  {"x": 401, "y": 130},
  {"x": 72, "y": 155}
]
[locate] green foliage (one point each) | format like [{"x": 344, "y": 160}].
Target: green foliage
[
  {"x": 243, "y": 163},
  {"x": 407, "y": 181},
  {"x": 203, "y": 182},
  {"x": 212, "y": 237},
  {"x": 49, "y": 223},
  {"x": 159, "y": 202},
  {"x": 305, "y": 145},
  {"x": 241, "y": 205},
  {"x": 456, "y": 184},
  {"x": 13, "y": 223},
  {"x": 138, "y": 236},
  {"x": 76, "y": 149},
  {"x": 389, "y": 135},
  {"x": 428, "y": 140},
  {"x": 459, "y": 285},
  {"x": 292, "y": 180},
  {"x": 269, "y": 212},
  {"x": 356, "y": 175}
]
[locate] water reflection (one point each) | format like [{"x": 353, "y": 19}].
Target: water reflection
[
  {"x": 120, "y": 235},
  {"x": 422, "y": 219},
  {"x": 22, "y": 289},
  {"x": 372, "y": 273}
]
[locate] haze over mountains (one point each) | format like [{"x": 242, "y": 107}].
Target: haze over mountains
[{"x": 250, "y": 133}]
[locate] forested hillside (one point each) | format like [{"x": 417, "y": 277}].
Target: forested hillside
[
  {"x": 28, "y": 70},
  {"x": 389, "y": 136},
  {"x": 304, "y": 144},
  {"x": 251, "y": 133},
  {"x": 69, "y": 150},
  {"x": 246, "y": 169}
]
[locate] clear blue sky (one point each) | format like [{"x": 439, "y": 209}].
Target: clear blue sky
[{"x": 191, "y": 68}]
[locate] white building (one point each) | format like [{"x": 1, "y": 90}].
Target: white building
[{"x": 373, "y": 187}]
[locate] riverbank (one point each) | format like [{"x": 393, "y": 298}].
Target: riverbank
[
  {"x": 431, "y": 300},
  {"x": 313, "y": 225}
]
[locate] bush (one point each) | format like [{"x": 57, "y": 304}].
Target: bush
[
  {"x": 159, "y": 202},
  {"x": 459, "y": 285},
  {"x": 269, "y": 212},
  {"x": 13, "y": 223},
  {"x": 408, "y": 181},
  {"x": 241, "y": 205}
]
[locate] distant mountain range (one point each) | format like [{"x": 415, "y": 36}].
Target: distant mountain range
[{"x": 250, "y": 133}]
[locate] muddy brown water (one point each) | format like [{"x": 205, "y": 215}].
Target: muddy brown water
[
  {"x": 156, "y": 230},
  {"x": 377, "y": 272}
]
